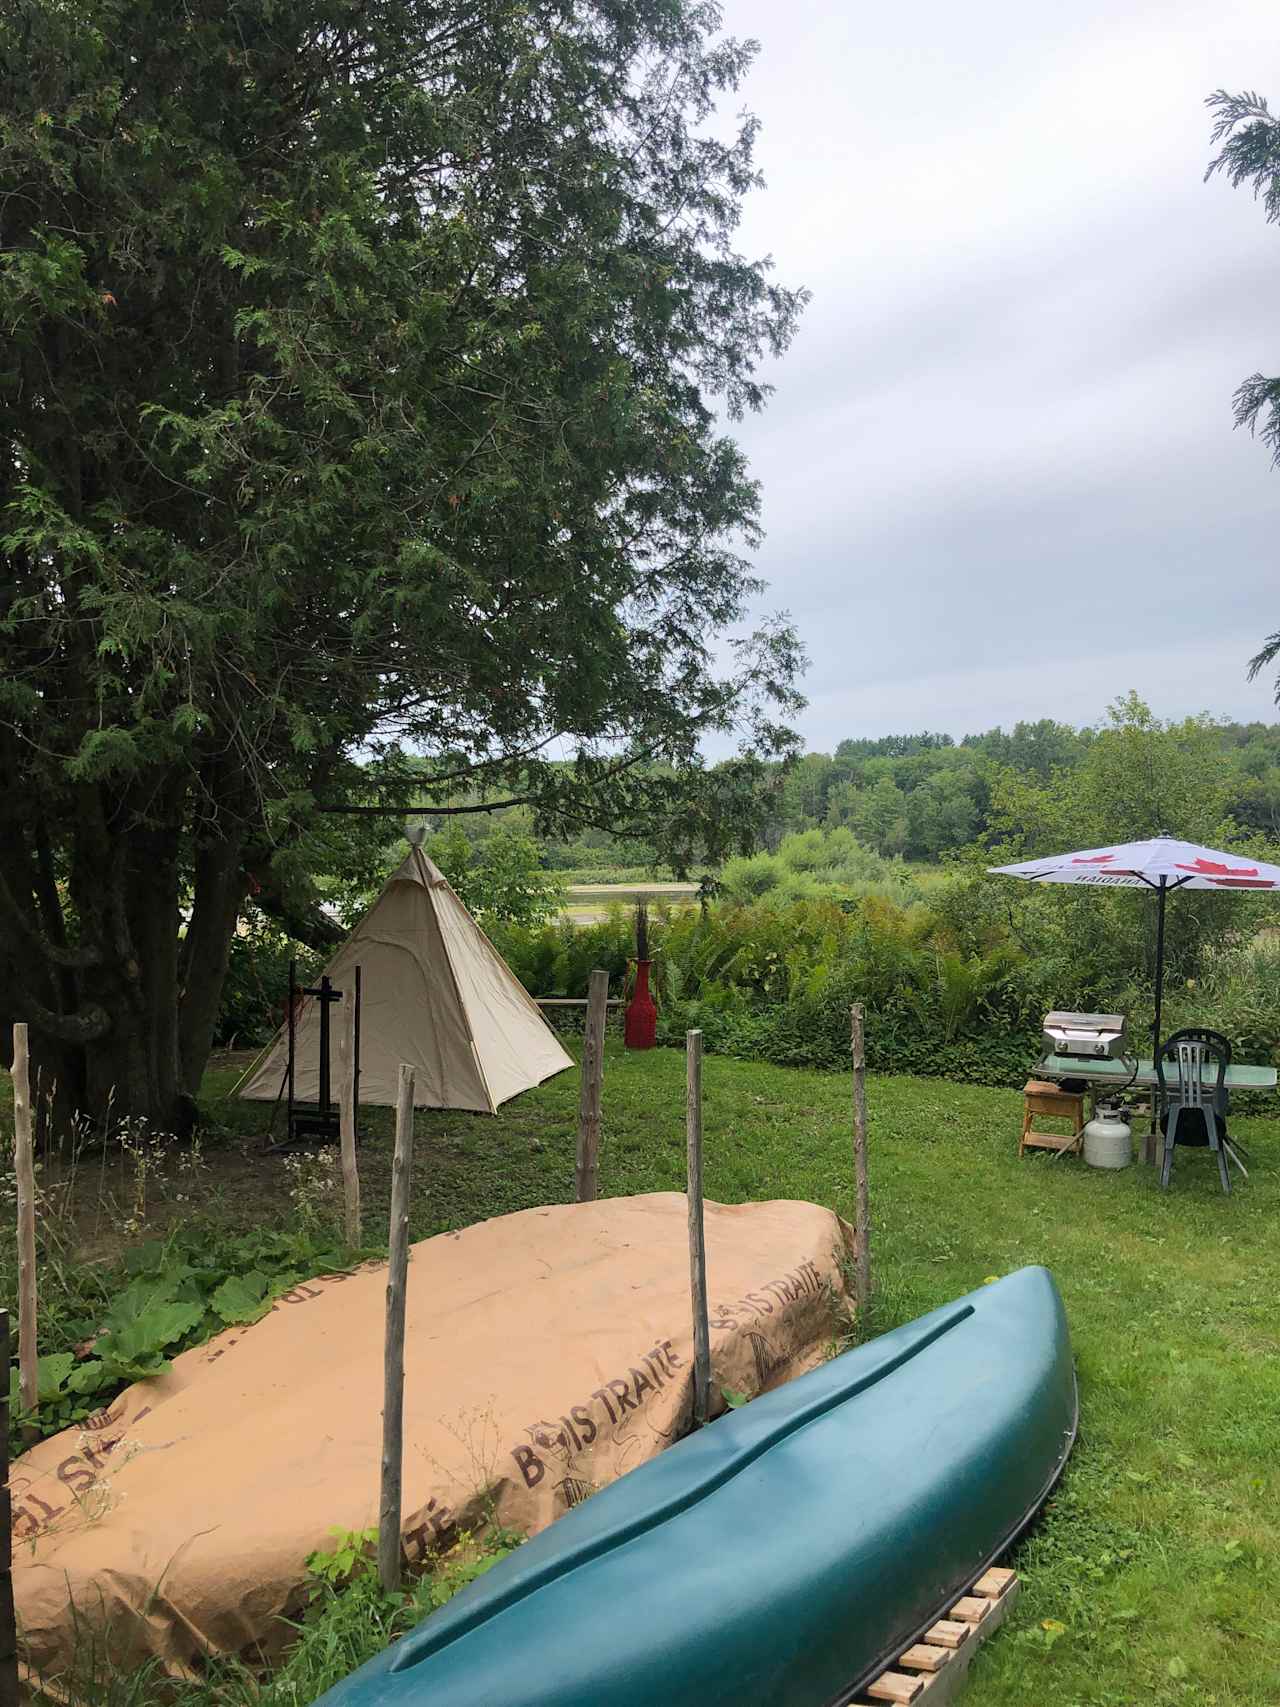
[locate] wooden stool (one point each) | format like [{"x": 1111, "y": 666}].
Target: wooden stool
[{"x": 1041, "y": 1097}]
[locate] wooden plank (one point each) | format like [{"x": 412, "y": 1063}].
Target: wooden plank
[
  {"x": 947, "y": 1633},
  {"x": 942, "y": 1688},
  {"x": 1059, "y": 1107},
  {"x": 921, "y": 1657},
  {"x": 862, "y": 1212},
  {"x": 697, "y": 1231},
  {"x": 894, "y": 1686},
  {"x": 389, "y": 1498},
  {"x": 940, "y": 1661},
  {"x": 1051, "y": 1140},
  {"x": 590, "y": 1095},
  {"x": 995, "y": 1582}
]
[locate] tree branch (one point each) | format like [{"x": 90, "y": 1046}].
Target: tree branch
[
  {"x": 309, "y": 925},
  {"x": 91, "y": 1022},
  {"x": 34, "y": 939},
  {"x": 429, "y": 809}
]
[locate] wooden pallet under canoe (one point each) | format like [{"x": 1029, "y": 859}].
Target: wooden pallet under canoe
[{"x": 931, "y": 1671}]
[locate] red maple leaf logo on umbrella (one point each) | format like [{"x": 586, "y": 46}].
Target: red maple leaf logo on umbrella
[
  {"x": 1228, "y": 876},
  {"x": 1093, "y": 859}
]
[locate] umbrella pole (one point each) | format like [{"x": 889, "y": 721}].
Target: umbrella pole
[{"x": 1161, "y": 895}]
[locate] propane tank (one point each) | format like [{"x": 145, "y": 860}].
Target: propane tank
[{"x": 1108, "y": 1140}]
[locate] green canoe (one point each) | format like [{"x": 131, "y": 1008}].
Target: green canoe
[{"x": 784, "y": 1555}]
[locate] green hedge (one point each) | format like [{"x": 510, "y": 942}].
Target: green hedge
[
  {"x": 948, "y": 984},
  {"x": 814, "y": 1032}
]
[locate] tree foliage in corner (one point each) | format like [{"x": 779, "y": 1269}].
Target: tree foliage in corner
[
  {"x": 357, "y": 389},
  {"x": 1249, "y": 135}
]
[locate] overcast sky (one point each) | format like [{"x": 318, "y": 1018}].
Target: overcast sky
[{"x": 1000, "y": 475}]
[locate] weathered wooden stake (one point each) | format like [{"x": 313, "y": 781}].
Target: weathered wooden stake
[
  {"x": 8, "y": 1623},
  {"x": 586, "y": 1171},
  {"x": 862, "y": 1212},
  {"x": 697, "y": 1232},
  {"x": 24, "y": 1168},
  {"x": 389, "y": 1551},
  {"x": 347, "y": 1120}
]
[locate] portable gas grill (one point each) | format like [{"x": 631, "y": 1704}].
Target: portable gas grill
[
  {"x": 1092, "y": 1037},
  {"x": 1089, "y": 1037}
]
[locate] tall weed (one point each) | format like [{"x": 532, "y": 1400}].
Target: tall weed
[{"x": 348, "y": 1618}]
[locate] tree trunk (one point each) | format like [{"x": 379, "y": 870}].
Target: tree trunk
[
  {"x": 115, "y": 1056},
  {"x": 154, "y": 917},
  {"x": 220, "y": 887},
  {"x": 121, "y": 1005}
]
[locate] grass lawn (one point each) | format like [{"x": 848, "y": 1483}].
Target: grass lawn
[{"x": 1154, "y": 1577}]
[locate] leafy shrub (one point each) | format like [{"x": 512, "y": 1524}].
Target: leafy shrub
[
  {"x": 1238, "y": 995},
  {"x": 499, "y": 878},
  {"x": 256, "y": 989},
  {"x": 557, "y": 959},
  {"x": 749, "y": 876},
  {"x": 904, "y": 1033},
  {"x": 827, "y": 851},
  {"x": 956, "y": 975},
  {"x": 816, "y": 864},
  {"x": 176, "y": 1293}
]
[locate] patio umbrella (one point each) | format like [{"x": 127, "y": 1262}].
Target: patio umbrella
[{"x": 1161, "y": 864}]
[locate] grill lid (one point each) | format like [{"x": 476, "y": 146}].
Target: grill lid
[
  {"x": 1062, "y": 1021},
  {"x": 1099, "y": 1036}
]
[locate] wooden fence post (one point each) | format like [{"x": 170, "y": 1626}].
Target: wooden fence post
[
  {"x": 347, "y": 1121},
  {"x": 24, "y": 1168},
  {"x": 586, "y": 1171},
  {"x": 862, "y": 1212},
  {"x": 697, "y": 1231},
  {"x": 389, "y": 1550},
  {"x": 8, "y": 1621}
]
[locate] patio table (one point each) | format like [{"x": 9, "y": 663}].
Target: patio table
[
  {"x": 1099, "y": 1074},
  {"x": 1241, "y": 1076}
]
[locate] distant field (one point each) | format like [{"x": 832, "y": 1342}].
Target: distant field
[
  {"x": 587, "y": 903},
  {"x": 595, "y": 875},
  {"x": 590, "y": 894}
]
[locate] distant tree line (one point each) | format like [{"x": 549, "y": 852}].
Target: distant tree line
[
  {"x": 922, "y": 796},
  {"x": 925, "y": 795}
]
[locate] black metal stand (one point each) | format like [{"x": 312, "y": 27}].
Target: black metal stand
[
  {"x": 1151, "y": 1149},
  {"x": 1162, "y": 889},
  {"x": 1161, "y": 894},
  {"x": 322, "y": 1118}
]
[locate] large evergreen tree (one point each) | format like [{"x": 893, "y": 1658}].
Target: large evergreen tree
[
  {"x": 358, "y": 389},
  {"x": 1249, "y": 154}
]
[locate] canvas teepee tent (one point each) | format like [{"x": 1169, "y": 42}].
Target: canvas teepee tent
[{"x": 437, "y": 994}]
